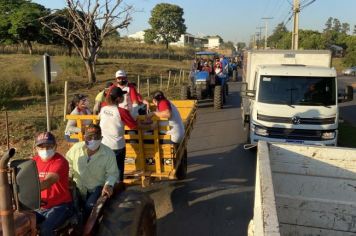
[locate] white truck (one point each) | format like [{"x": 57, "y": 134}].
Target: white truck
[
  {"x": 291, "y": 96},
  {"x": 304, "y": 190}
]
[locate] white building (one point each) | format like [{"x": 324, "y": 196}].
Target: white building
[
  {"x": 213, "y": 42},
  {"x": 185, "y": 40},
  {"x": 140, "y": 35}
]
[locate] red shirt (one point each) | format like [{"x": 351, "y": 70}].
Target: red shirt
[
  {"x": 58, "y": 193},
  {"x": 164, "y": 105},
  {"x": 133, "y": 94}
]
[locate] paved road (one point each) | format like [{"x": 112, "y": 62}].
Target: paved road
[
  {"x": 217, "y": 196},
  {"x": 348, "y": 109}
]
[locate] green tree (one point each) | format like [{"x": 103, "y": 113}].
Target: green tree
[
  {"x": 167, "y": 22},
  {"x": 241, "y": 45},
  {"x": 25, "y": 23},
  {"x": 277, "y": 39},
  {"x": 328, "y": 24},
  {"x": 350, "y": 57},
  {"x": 336, "y": 25},
  {"x": 345, "y": 28},
  {"x": 228, "y": 45},
  {"x": 93, "y": 21},
  {"x": 150, "y": 36},
  {"x": 310, "y": 39}
]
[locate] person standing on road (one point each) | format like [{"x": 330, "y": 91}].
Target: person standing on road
[
  {"x": 53, "y": 171},
  {"x": 166, "y": 110},
  {"x": 92, "y": 166}
]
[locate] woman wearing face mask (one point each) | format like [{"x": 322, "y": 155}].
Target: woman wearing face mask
[
  {"x": 53, "y": 171},
  {"x": 78, "y": 106},
  {"x": 113, "y": 118},
  {"x": 92, "y": 167}
]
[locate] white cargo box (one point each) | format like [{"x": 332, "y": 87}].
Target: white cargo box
[{"x": 304, "y": 190}]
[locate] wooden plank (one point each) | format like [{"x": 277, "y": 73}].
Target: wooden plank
[{"x": 317, "y": 212}]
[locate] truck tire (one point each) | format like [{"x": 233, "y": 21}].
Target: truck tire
[
  {"x": 184, "y": 93},
  {"x": 129, "y": 213},
  {"x": 192, "y": 92},
  {"x": 199, "y": 93},
  {"x": 218, "y": 98},
  {"x": 181, "y": 172}
]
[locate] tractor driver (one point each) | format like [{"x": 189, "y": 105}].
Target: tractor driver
[{"x": 56, "y": 199}]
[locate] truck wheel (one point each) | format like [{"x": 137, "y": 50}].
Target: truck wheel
[
  {"x": 181, "y": 172},
  {"x": 218, "y": 99},
  {"x": 129, "y": 213},
  {"x": 199, "y": 93},
  {"x": 192, "y": 92},
  {"x": 184, "y": 93}
]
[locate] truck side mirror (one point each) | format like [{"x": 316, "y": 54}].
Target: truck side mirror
[
  {"x": 245, "y": 93},
  {"x": 26, "y": 184},
  {"x": 346, "y": 95}
]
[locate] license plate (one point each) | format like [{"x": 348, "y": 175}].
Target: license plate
[{"x": 294, "y": 141}]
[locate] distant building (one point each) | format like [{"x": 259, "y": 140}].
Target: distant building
[
  {"x": 213, "y": 42},
  {"x": 185, "y": 40},
  {"x": 140, "y": 35}
]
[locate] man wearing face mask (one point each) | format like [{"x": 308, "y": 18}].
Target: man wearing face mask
[
  {"x": 92, "y": 165},
  {"x": 131, "y": 99},
  {"x": 53, "y": 174}
]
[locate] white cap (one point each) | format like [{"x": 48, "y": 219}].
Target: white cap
[{"x": 120, "y": 73}]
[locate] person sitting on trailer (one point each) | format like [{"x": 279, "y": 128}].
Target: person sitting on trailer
[
  {"x": 78, "y": 106},
  {"x": 100, "y": 97},
  {"x": 167, "y": 110}
]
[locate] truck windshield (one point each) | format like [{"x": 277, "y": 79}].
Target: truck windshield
[{"x": 297, "y": 90}]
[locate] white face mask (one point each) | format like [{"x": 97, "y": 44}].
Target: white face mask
[
  {"x": 93, "y": 144},
  {"x": 46, "y": 154}
]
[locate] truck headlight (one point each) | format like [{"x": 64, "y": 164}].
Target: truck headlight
[
  {"x": 328, "y": 135},
  {"x": 261, "y": 131}
]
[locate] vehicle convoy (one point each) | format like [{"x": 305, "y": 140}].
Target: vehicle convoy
[
  {"x": 304, "y": 190},
  {"x": 203, "y": 84},
  {"x": 126, "y": 212},
  {"x": 150, "y": 154},
  {"x": 291, "y": 96}
]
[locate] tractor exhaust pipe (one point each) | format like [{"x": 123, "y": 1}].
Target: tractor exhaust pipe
[{"x": 6, "y": 209}]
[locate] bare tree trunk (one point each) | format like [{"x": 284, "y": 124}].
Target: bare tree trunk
[
  {"x": 90, "y": 66},
  {"x": 29, "y": 45}
]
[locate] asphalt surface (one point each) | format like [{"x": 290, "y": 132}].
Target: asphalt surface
[
  {"x": 216, "y": 198},
  {"x": 348, "y": 109}
]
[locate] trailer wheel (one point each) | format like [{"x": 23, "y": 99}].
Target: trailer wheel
[
  {"x": 129, "y": 213},
  {"x": 199, "y": 93},
  {"x": 218, "y": 97},
  {"x": 182, "y": 168},
  {"x": 184, "y": 92}
]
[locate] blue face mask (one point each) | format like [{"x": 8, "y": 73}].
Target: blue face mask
[
  {"x": 93, "y": 144},
  {"x": 46, "y": 154}
]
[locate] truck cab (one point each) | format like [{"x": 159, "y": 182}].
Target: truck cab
[{"x": 292, "y": 97}]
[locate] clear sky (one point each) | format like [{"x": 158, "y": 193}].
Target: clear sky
[{"x": 237, "y": 20}]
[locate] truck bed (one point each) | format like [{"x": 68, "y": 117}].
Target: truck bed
[{"x": 305, "y": 190}]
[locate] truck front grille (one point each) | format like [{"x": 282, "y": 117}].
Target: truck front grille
[{"x": 303, "y": 121}]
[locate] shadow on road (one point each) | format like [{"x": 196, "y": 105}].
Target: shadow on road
[{"x": 216, "y": 198}]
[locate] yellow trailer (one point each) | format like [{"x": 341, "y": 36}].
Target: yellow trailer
[{"x": 148, "y": 153}]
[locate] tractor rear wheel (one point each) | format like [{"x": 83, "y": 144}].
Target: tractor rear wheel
[
  {"x": 218, "y": 97},
  {"x": 184, "y": 93},
  {"x": 129, "y": 213},
  {"x": 199, "y": 93},
  {"x": 181, "y": 172}
]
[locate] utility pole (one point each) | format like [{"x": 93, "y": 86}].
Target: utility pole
[
  {"x": 266, "y": 28},
  {"x": 295, "y": 35},
  {"x": 259, "y": 34}
]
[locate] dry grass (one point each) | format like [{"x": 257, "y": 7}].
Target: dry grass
[{"x": 27, "y": 113}]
